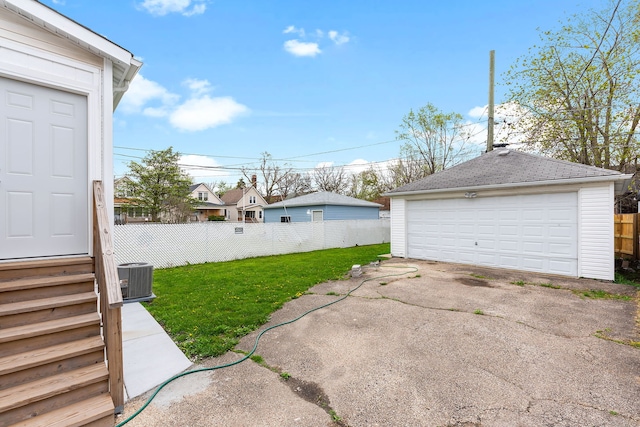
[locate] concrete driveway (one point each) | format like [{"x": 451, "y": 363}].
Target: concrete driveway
[{"x": 446, "y": 345}]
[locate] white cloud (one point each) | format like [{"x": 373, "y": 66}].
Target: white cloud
[
  {"x": 198, "y": 87},
  {"x": 338, "y": 38},
  {"x": 203, "y": 113},
  {"x": 201, "y": 167},
  {"x": 60, "y": 2},
  {"x": 197, "y": 113},
  {"x": 478, "y": 112},
  {"x": 298, "y": 48},
  {"x": 143, "y": 91},
  {"x": 301, "y": 47},
  {"x": 324, "y": 165},
  {"x": 291, "y": 29},
  {"x": 164, "y": 7},
  {"x": 357, "y": 166}
]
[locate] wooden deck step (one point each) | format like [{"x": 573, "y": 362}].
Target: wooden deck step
[
  {"x": 96, "y": 411},
  {"x": 48, "y": 327},
  {"x": 54, "y": 353},
  {"x": 46, "y": 303},
  {"x": 40, "y": 282},
  {"x": 39, "y": 390},
  {"x": 45, "y": 267}
]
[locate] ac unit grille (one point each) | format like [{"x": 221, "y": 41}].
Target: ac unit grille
[{"x": 136, "y": 280}]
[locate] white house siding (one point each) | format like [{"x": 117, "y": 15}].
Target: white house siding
[
  {"x": 14, "y": 28},
  {"x": 398, "y": 227},
  {"x": 596, "y": 244}
]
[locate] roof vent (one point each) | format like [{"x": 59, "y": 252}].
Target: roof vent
[{"x": 503, "y": 153}]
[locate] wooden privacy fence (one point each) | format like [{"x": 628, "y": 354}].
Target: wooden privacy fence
[{"x": 626, "y": 235}]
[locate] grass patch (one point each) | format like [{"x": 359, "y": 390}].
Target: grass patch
[
  {"x": 604, "y": 334},
  {"x": 333, "y": 293},
  {"x": 207, "y": 308},
  {"x": 549, "y": 285},
  {"x": 622, "y": 279},
  {"x": 480, "y": 312},
  {"x": 285, "y": 375},
  {"x": 519, "y": 283},
  {"x": 600, "y": 294},
  {"x": 480, "y": 276}
]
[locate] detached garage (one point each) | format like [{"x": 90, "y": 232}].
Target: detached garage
[{"x": 514, "y": 210}]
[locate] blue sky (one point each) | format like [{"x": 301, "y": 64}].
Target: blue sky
[{"x": 311, "y": 82}]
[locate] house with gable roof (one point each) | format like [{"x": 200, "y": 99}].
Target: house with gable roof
[
  {"x": 321, "y": 206},
  {"x": 244, "y": 204}
]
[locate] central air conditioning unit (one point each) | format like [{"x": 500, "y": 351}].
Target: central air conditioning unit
[{"x": 136, "y": 279}]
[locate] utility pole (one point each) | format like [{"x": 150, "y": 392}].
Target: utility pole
[{"x": 492, "y": 58}]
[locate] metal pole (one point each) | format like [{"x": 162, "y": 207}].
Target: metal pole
[{"x": 492, "y": 56}]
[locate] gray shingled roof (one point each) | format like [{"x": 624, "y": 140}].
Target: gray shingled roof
[
  {"x": 503, "y": 167},
  {"x": 322, "y": 198}
]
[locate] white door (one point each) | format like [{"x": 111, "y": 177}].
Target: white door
[
  {"x": 317, "y": 216},
  {"x": 527, "y": 232},
  {"x": 43, "y": 172}
]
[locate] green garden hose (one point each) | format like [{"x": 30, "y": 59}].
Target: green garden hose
[{"x": 255, "y": 345}]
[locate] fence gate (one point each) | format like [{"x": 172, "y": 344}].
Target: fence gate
[{"x": 626, "y": 235}]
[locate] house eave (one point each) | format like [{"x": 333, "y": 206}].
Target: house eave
[
  {"x": 620, "y": 181},
  {"x": 125, "y": 66}
]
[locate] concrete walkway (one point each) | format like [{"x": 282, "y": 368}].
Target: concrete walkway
[{"x": 150, "y": 356}]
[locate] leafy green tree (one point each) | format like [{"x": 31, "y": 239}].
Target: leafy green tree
[
  {"x": 160, "y": 186},
  {"x": 367, "y": 185},
  {"x": 436, "y": 139},
  {"x": 579, "y": 89}
]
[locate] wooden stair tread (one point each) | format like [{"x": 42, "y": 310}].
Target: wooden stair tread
[
  {"x": 54, "y": 385},
  {"x": 75, "y": 415},
  {"x": 48, "y": 327},
  {"x": 54, "y": 353},
  {"x": 44, "y": 263},
  {"x": 46, "y": 303},
  {"x": 46, "y": 281}
]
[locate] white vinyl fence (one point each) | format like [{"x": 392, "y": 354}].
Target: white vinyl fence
[{"x": 168, "y": 245}]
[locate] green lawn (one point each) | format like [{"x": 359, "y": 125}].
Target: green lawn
[{"x": 206, "y": 308}]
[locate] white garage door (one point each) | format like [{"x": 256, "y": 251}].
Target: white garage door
[
  {"x": 528, "y": 232},
  {"x": 43, "y": 171}
]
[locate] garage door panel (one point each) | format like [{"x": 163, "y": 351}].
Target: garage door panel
[
  {"x": 486, "y": 244},
  {"x": 486, "y": 258},
  {"x": 559, "y": 266},
  {"x": 561, "y": 232},
  {"x": 533, "y": 247},
  {"x": 509, "y": 245},
  {"x": 466, "y": 243},
  {"x": 466, "y": 257},
  {"x": 559, "y": 249},
  {"x": 507, "y": 261},
  {"x": 532, "y": 215},
  {"x": 532, "y": 232},
  {"x": 534, "y": 264},
  {"x": 509, "y": 215}
]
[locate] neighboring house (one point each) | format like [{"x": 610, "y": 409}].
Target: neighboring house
[
  {"x": 208, "y": 203},
  {"x": 59, "y": 85},
  {"x": 512, "y": 210},
  {"x": 244, "y": 205},
  {"x": 123, "y": 210},
  {"x": 321, "y": 206}
]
